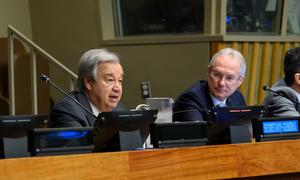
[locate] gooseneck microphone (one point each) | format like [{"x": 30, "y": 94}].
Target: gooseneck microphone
[
  {"x": 46, "y": 79},
  {"x": 192, "y": 110},
  {"x": 193, "y": 104},
  {"x": 267, "y": 89}
]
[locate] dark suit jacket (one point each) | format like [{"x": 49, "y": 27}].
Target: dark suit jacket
[
  {"x": 197, "y": 99},
  {"x": 284, "y": 105},
  {"x": 67, "y": 113}
]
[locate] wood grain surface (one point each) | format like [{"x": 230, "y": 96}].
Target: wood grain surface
[{"x": 205, "y": 162}]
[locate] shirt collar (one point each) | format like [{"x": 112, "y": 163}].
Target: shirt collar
[
  {"x": 216, "y": 101},
  {"x": 94, "y": 109}
]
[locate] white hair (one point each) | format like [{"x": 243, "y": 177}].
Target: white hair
[
  {"x": 232, "y": 53},
  {"x": 88, "y": 64}
]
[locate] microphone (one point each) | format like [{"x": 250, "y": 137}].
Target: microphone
[
  {"x": 192, "y": 110},
  {"x": 191, "y": 103},
  {"x": 201, "y": 110},
  {"x": 46, "y": 79},
  {"x": 266, "y": 88}
]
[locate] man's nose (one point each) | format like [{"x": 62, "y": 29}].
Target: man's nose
[
  {"x": 222, "y": 80},
  {"x": 117, "y": 86}
]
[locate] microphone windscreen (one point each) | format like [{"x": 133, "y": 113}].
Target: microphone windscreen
[
  {"x": 265, "y": 88},
  {"x": 44, "y": 77}
]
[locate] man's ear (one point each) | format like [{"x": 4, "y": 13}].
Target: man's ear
[
  {"x": 240, "y": 81},
  {"x": 297, "y": 78},
  {"x": 208, "y": 69},
  {"x": 87, "y": 84}
]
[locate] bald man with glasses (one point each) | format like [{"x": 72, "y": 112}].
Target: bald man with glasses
[{"x": 226, "y": 72}]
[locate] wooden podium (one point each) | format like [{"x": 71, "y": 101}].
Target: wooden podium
[{"x": 205, "y": 162}]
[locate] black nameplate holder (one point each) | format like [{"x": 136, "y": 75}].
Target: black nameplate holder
[
  {"x": 178, "y": 134},
  {"x": 57, "y": 141},
  {"x": 276, "y": 128}
]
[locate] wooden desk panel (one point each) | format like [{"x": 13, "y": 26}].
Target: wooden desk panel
[
  {"x": 269, "y": 158},
  {"x": 185, "y": 162},
  {"x": 84, "y": 166},
  {"x": 208, "y": 162}
]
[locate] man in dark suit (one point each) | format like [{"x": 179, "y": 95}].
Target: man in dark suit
[
  {"x": 100, "y": 77},
  {"x": 287, "y": 100},
  {"x": 225, "y": 75}
]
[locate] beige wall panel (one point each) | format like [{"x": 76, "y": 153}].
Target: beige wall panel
[
  {"x": 17, "y": 14},
  {"x": 170, "y": 68}
]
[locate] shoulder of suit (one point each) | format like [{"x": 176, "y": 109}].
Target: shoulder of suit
[{"x": 200, "y": 85}]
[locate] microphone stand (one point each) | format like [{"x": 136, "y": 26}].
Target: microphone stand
[
  {"x": 266, "y": 88},
  {"x": 47, "y": 80},
  {"x": 192, "y": 110}
]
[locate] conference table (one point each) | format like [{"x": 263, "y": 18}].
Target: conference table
[{"x": 267, "y": 159}]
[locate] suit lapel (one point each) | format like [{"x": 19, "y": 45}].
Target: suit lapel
[
  {"x": 207, "y": 96},
  {"x": 233, "y": 101},
  {"x": 229, "y": 102},
  {"x": 91, "y": 119}
]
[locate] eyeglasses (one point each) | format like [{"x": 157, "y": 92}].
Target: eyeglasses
[{"x": 228, "y": 78}]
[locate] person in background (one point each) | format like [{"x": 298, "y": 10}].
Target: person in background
[
  {"x": 285, "y": 101},
  {"x": 100, "y": 77},
  {"x": 226, "y": 72}
]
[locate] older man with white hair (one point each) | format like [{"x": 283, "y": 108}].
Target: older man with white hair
[
  {"x": 100, "y": 77},
  {"x": 226, "y": 72}
]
